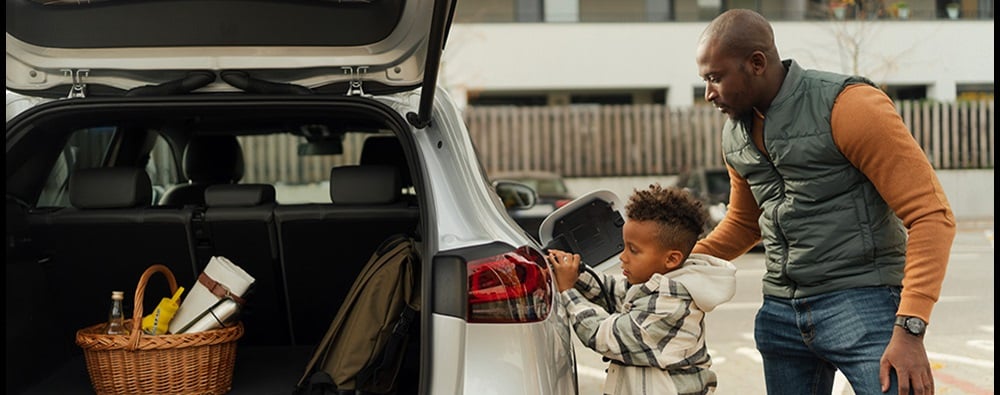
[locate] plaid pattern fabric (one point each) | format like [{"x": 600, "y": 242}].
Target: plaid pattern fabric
[{"x": 657, "y": 326}]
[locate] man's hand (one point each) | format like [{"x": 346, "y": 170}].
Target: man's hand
[
  {"x": 567, "y": 268},
  {"x": 906, "y": 354}
]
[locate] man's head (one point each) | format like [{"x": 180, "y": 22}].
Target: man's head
[
  {"x": 739, "y": 62},
  {"x": 662, "y": 228}
]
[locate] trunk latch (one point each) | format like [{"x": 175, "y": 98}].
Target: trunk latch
[
  {"x": 354, "y": 87},
  {"x": 79, "y": 88}
]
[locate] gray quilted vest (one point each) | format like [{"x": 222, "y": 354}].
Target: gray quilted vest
[{"x": 824, "y": 226}]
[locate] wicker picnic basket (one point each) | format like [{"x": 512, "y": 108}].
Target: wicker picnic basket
[{"x": 189, "y": 363}]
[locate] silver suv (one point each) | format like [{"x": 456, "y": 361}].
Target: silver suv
[{"x": 291, "y": 137}]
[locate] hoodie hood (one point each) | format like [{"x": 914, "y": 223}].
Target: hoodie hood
[{"x": 711, "y": 281}]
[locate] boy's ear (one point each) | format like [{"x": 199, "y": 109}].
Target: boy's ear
[{"x": 674, "y": 259}]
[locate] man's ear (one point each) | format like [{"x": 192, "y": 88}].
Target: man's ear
[{"x": 758, "y": 62}]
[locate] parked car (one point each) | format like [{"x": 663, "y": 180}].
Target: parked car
[
  {"x": 550, "y": 193},
  {"x": 711, "y": 186},
  {"x": 118, "y": 101},
  {"x": 550, "y": 186}
]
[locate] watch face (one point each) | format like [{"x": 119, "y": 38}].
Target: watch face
[{"x": 915, "y": 325}]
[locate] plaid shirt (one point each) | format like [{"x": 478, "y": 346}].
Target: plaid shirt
[{"x": 659, "y": 325}]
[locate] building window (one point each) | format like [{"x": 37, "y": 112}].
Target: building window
[
  {"x": 478, "y": 11},
  {"x": 509, "y": 100},
  {"x": 601, "y": 98},
  {"x": 906, "y": 92},
  {"x": 699, "y": 95},
  {"x": 972, "y": 92},
  {"x": 612, "y": 11}
]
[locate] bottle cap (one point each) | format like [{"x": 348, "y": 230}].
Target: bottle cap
[{"x": 117, "y": 295}]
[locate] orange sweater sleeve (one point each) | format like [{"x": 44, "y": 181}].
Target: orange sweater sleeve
[
  {"x": 872, "y": 136},
  {"x": 739, "y": 230}
]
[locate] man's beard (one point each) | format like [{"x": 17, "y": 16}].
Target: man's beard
[{"x": 745, "y": 119}]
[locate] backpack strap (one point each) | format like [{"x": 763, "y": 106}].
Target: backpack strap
[
  {"x": 382, "y": 369},
  {"x": 390, "y": 355}
]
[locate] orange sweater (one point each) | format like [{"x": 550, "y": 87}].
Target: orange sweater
[{"x": 898, "y": 168}]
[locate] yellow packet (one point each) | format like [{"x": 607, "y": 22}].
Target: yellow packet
[{"x": 157, "y": 322}]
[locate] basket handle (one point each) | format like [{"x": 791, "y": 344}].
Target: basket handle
[{"x": 140, "y": 290}]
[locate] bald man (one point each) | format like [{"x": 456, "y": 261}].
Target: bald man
[{"x": 855, "y": 225}]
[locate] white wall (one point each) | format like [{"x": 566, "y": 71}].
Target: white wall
[
  {"x": 970, "y": 192},
  {"x": 573, "y": 56}
]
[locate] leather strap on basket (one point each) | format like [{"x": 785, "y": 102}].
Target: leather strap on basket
[{"x": 219, "y": 289}]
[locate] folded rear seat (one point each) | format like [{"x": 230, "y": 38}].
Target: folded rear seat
[
  {"x": 325, "y": 246},
  {"x": 104, "y": 242},
  {"x": 239, "y": 224}
]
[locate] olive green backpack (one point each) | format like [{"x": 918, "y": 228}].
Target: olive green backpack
[{"x": 364, "y": 347}]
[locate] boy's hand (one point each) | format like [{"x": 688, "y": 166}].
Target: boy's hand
[{"x": 566, "y": 267}]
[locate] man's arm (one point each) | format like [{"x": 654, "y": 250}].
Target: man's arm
[
  {"x": 873, "y": 137},
  {"x": 739, "y": 230}
]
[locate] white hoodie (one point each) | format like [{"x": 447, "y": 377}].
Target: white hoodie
[{"x": 656, "y": 337}]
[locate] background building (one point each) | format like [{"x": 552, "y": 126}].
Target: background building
[{"x": 556, "y": 52}]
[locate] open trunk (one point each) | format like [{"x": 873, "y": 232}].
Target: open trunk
[{"x": 70, "y": 242}]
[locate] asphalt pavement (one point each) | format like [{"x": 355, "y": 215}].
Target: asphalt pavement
[{"x": 959, "y": 339}]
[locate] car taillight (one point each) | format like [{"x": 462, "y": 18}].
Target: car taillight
[
  {"x": 510, "y": 287},
  {"x": 562, "y": 202}
]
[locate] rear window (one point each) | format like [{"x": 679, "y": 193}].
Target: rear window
[
  {"x": 121, "y": 24},
  {"x": 274, "y": 159}
]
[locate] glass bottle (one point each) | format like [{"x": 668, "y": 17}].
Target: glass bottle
[{"x": 116, "y": 317}]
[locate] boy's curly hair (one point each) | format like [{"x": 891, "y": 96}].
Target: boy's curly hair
[{"x": 680, "y": 216}]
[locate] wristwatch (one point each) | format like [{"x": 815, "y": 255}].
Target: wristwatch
[{"x": 913, "y": 325}]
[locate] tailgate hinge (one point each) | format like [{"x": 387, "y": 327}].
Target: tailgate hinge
[
  {"x": 79, "y": 88},
  {"x": 354, "y": 86}
]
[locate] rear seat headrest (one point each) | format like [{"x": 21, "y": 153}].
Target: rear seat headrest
[
  {"x": 110, "y": 187},
  {"x": 239, "y": 195},
  {"x": 386, "y": 150},
  {"x": 214, "y": 159},
  {"x": 371, "y": 184}
]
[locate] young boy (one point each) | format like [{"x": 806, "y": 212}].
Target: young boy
[{"x": 655, "y": 339}]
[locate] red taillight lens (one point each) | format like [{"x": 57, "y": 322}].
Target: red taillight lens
[
  {"x": 511, "y": 287},
  {"x": 562, "y": 202}
]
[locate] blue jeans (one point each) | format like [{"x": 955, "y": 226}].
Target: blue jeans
[{"x": 805, "y": 341}]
